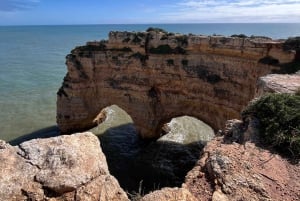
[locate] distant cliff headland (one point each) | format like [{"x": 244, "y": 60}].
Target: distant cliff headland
[{"x": 157, "y": 75}]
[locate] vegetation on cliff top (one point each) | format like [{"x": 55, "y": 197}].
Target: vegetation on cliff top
[
  {"x": 156, "y": 30},
  {"x": 239, "y": 36},
  {"x": 279, "y": 116},
  {"x": 166, "y": 49},
  {"x": 292, "y": 44}
]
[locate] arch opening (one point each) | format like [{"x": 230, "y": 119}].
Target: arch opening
[{"x": 146, "y": 164}]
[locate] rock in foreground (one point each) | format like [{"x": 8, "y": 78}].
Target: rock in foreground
[
  {"x": 233, "y": 171},
  {"x": 246, "y": 172},
  {"x": 229, "y": 171},
  {"x": 168, "y": 194},
  {"x": 61, "y": 168}
]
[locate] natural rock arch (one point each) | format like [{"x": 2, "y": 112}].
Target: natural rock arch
[{"x": 154, "y": 77}]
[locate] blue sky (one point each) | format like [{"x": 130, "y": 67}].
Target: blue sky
[{"x": 45, "y": 12}]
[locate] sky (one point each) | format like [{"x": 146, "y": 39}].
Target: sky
[{"x": 56, "y": 12}]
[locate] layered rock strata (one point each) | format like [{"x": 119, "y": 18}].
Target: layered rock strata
[
  {"x": 155, "y": 76},
  {"x": 62, "y": 168}
]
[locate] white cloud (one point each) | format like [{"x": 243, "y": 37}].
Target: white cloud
[
  {"x": 234, "y": 11},
  {"x": 15, "y": 5}
]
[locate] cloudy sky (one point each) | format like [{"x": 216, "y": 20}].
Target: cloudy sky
[{"x": 40, "y": 12}]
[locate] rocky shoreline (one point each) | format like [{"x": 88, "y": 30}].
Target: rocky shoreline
[{"x": 145, "y": 74}]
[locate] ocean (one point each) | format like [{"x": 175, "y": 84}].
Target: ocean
[{"x": 32, "y": 65}]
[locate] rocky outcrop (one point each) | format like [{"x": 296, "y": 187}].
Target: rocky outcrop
[
  {"x": 232, "y": 171},
  {"x": 155, "y": 76},
  {"x": 278, "y": 83},
  {"x": 186, "y": 130},
  {"x": 168, "y": 194},
  {"x": 62, "y": 168},
  {"x": 239, "y": 166}
]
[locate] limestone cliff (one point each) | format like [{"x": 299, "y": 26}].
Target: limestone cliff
[{"x": 156, "y": 76}]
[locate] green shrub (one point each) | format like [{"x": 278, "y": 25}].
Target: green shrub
[
  {"x": 162, "y": 49},
  {"x": 279, "y": 116},
  {"x": 126, "y": 40},
  {"x": 179, "y": 50},
  {"x": 136, "y": 39},
  {"x": 156, "y": 30},
  {"x": 260, "y": 37},
  {"x": 166, "y": 49},
  {"x": 91, "y": 48},
  {"x": 292, "y": 44},
  {"x": 239, "y": 36},
  {"x": 182, "y": 40},
  {"x": 170, "y": 62},
  {"x": 164, "y": 37},
  {"x": 140, "y": 56},
  {"x": 184, "y": 62}
]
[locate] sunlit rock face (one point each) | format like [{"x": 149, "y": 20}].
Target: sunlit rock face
[
  {"x": 277, "y": 83},
  {"x": 68, "y": 167},
  {"x": 155, "y": 76}
]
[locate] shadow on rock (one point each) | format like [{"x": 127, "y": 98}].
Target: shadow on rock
[
  {"x": 141, "y": 165},
  {"x": 144, "y": 165},
  {"x": 165, "y": 164},
  {"x": 51, "y": 131}
]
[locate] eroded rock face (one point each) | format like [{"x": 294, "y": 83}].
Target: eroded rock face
[
  {"x": 232, "y": 171},
  {"x": 61, "y": 168},
  {"x": 156, "y": 76}
]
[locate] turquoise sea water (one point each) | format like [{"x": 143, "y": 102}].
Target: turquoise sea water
[{"x": 32, "y": 64}]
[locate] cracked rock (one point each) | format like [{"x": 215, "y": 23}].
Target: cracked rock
[{"x": 70, "y": 167}]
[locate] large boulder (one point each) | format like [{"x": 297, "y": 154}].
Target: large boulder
[{"x": 69, "y": 167}]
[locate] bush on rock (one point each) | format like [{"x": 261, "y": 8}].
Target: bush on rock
[{"x": 279, "y": 116}]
